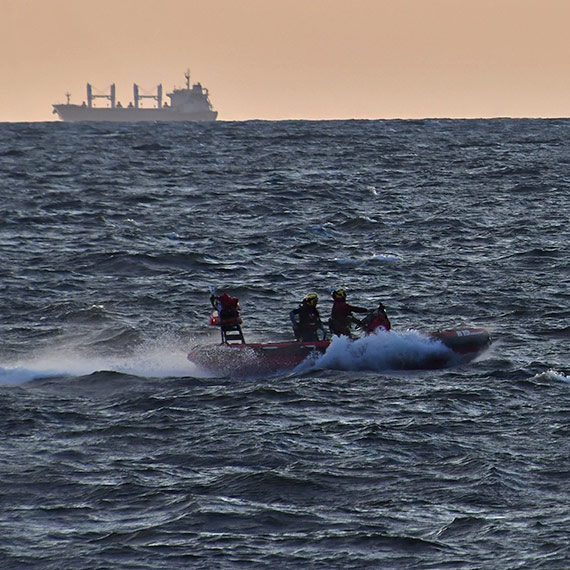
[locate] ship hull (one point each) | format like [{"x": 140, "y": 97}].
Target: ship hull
[{"x": 80, "y": 113}]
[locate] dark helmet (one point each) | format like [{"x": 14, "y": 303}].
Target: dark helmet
[{"x": 339, "y": 294}]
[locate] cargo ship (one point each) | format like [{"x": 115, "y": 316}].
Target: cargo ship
[{"x": 191, "y": 103}]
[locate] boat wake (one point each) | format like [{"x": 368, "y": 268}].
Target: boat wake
[{"x": 149, "y": 361}]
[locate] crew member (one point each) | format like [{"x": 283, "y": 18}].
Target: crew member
[
  {"x": 377, "y": 319},
  {"x": 228, "y": 309},
  {"x": 306, "y": 319},
  {"x": 341, "y": 314}
]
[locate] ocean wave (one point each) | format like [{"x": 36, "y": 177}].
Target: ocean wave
[
  {"x": 107, "y": 424},
  {"x": 551, "y": 375}
]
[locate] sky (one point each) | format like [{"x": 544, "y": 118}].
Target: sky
[{"x": 293, "y": 59}]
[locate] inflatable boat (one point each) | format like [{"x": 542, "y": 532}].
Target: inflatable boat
[{"x": 439, "y": 349}]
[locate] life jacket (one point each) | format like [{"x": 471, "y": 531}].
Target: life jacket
[
  {"x": 229, "y": 310},
  {"x": 306, "y": 322},
  {"x": 376, "y": 319},
  {"x": 309, "y": 316}
]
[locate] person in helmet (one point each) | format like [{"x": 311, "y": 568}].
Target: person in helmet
[
  {"x": 377, "y": 319},
  {"x": 341, "y": 314},
  {"x": 306, "y": 319}
]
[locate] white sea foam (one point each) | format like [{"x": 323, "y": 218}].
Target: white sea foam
[
  {"x": 365, "y": 259},
  {"x": 553, "y": 375},
  {"x": 385, "y": 351},
  {"x": 156, "y": 359}
]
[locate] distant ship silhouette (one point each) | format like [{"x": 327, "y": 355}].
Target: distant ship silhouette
[{"x": 188, "y": 104}]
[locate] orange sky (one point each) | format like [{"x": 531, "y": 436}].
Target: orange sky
[{"x": 307, "y": 59}]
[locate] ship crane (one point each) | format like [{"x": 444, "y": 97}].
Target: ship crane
[
  {"x": 91, "y": 96},
  {"x": 137, "y": 96}
]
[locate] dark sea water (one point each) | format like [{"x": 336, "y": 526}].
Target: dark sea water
[{"x": 117, "y": 452}]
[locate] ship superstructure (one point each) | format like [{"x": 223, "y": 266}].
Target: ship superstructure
[{"x": 191, "y": 103}]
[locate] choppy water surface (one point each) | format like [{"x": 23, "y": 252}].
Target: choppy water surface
[{"x": 117, "y": 452}]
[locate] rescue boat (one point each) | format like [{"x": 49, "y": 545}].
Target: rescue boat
[{"x": 245, "y": 359}]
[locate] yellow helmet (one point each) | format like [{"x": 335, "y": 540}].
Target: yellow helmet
[
  {"x": 311, "y": 299},
  {"x": 339, "y": 294}
]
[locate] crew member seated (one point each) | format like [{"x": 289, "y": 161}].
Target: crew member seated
[
  {"x": 229, "y": 316},
  {"x": 306, "y": 319},
  {"x": 228, "y": 308},
  {"x": 377, "y": 319},
  {"x": 341, "y": 314}
]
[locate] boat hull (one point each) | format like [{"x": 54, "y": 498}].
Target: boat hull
[
  {"x": 468, "y": 342},
  {"x": 267, "y": 358},
  {"x": 80, "y": 113}
]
